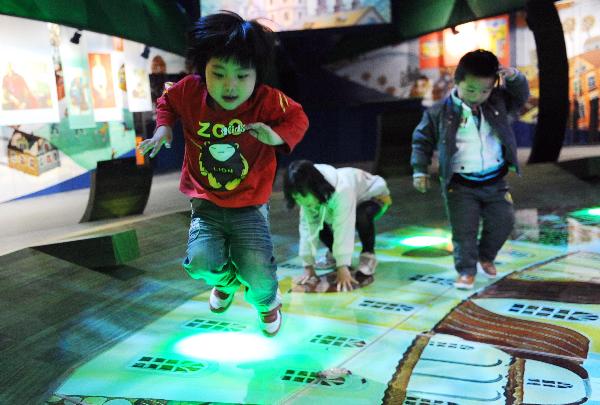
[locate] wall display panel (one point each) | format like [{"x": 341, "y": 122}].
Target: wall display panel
[
  {"x": 490, "y": 33},
  {"x": 163, "y": 62},
  {"x": 391, "y": 70},
  {"x": 29, "y": 91},
  {"x": 37, "y": 157},
  {"x": 43, "y": 156},
  {"x": 581, "y": 26},
  {"x": 137, "y": 78},
  {"x": 80, "y": 111},
  {"x": 431, "y": 50},
  {"x": 102, "y": 80},
  {"x": 282, "y": 15},
  {"x": 107, "y": 76},
  {"x": 163, "y": 67},
  {"x": 30, "y": 161}
]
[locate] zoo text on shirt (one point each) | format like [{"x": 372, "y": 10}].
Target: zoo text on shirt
[{"x": 235, "y": 127}]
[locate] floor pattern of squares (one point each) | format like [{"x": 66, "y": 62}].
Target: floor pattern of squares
[{"x": 531, "y": 336}]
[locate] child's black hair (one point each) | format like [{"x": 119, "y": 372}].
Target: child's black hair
[
  {"x": 302, "y": 177},
  {"x": 226, "y": 35},
  {"x": 480, "y": 63}
]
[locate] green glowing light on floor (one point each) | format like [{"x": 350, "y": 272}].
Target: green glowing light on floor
[
  {"x": 587, "y": 214},
  {"x": 422, "y": 241},
  {"x": 230, "y": 346}
]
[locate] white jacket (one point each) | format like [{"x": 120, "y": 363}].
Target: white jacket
[{"x": 352, "y": 187}]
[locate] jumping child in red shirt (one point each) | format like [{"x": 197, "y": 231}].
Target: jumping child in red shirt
[{"x": 232, "y": 125}]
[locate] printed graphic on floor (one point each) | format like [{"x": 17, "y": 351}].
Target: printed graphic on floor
[{"x": 531, "y": 336}]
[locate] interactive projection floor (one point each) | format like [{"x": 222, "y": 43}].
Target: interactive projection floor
[{"x": 531, "y": 336}]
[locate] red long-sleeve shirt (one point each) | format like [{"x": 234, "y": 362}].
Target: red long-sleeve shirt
[{"x": 223, "y": 163}]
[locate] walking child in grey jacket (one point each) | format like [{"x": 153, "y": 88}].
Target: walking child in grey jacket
[{"x": 471, "y": 130}]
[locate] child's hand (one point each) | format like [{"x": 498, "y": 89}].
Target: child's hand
[
  {"x": 421, "y": 183},
  {"x": 264, "y": 133},
  {"x": 344, "y": 279},
  {"x": 507, "y": 73},
  {"x": 309, "y": 275},
  {"x": 162, "y": 135}
]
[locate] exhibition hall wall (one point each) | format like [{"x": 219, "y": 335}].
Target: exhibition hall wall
[
  {"x": 68, "y": 97},
  {"x": 67, "y": 101},
  {"x": 424, "y": 67}
]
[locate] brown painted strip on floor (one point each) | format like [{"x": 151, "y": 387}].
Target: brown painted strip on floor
[
  {"x": 571, "y": 291},
  {"x": 398, "y": 385},
  {"x": 514, "y": 388},
  {"x": 477, "y": 324}
]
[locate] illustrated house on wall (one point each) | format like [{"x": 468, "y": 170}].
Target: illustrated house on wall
[{"x": 31, "y": 154}]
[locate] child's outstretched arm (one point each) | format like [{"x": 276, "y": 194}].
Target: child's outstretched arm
[
  {"x": 167, "y": 113},
  {"x": 264, "y": 134},
  {"x": 283, "y": 122},
  {"x": 162, "y": 136}
]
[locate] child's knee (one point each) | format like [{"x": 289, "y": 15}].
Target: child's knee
[
  {"x": 192, "y": 268},
  {"x": 263, "y": 295},
  {"x": 198, "y": 267}
]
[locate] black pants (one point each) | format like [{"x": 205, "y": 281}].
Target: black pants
[
  {"x": 365, "y": 225},
  {"x": 466, "y": 207}
]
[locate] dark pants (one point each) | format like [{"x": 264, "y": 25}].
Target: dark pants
[
  {"x": 465, "y": 206},
  {"x": 365, "y": 225}
]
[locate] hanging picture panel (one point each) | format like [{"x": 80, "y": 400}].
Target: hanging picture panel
[
  {"x": 80, "y": 111},
  {"x": 28, "y": 83},
  {"x": 107, "y": 76},
  {"x": 137, "y": 78}
]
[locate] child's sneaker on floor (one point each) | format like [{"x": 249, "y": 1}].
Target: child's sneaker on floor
[
  {"x": 270, "y": 321},
  {"x": 219, "y": 301},
  {"x": 367, "y": 263},
  {"x": 488, "y": 269},
  {"x": 327, "y": 262},
  {"x": 464, "y": 282}
]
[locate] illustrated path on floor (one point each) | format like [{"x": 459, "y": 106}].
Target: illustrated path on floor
[{"x": 409, "y": 337}]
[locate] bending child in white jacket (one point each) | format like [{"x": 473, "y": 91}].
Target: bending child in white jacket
[{"x": 333, "y": 203}]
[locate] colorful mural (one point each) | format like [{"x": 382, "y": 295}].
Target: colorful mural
[
  {"x": 65, "y": 103},
  {"x": 423, "y": 68},
  {"x": 281, "y": 15},
  {"x": 406, "y": 336},
  {"x": 28, "y": 76}
]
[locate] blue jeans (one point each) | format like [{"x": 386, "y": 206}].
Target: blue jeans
[{"x": 232, "y": 246}]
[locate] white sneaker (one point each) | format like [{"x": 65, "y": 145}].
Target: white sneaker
[
  {"x": 367, "y": 263},
  {"x": 219, "y": 301},
  {"x": 327, "y": 262},
  {"x": 270, "y": 321}
]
